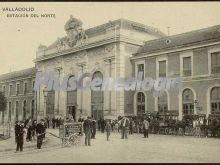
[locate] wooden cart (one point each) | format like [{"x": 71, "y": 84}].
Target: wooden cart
[{"x": 71, "y": 133}]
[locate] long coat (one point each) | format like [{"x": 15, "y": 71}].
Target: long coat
[
  {"x": 19, "y": 133},
  {"x": 40, "y": 129},
  {"x": 87, "y": 126}
]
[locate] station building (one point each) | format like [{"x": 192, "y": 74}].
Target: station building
[
  {"x": 121, "y": 49},
  {"x": 193, "y": 56}
]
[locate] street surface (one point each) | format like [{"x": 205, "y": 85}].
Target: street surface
[{"x": 136, "y": 149}]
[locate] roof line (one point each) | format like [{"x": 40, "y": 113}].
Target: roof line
[{"x": 188, "y": 32}]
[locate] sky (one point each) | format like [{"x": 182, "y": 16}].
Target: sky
[{"x": 20, "y": 36}]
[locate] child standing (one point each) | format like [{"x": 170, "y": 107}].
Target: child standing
[{"x": 108, "y": 129}]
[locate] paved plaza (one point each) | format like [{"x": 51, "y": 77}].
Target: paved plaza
[{"x": 157, "y": 148}]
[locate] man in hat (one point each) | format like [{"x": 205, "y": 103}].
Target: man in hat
[
  {"x": 41, "y": 131},
  {"x": 87, "y": 126},
  {"x": 19, "y": 134},
  {"x": 93, "y": 128},
  {"x": 145, "y": 127}
]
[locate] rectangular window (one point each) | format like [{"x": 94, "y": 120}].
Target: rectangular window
[
  {"x": 10, "y": 90},
  {"x": 17, "y": 89},
  {"x": 16, "y": 110},
  {"x": 215, "y": 62},
  {"x": 162, "y": 68},
  {"x": 3, "y": 90},
  {"x": 25, "y": 87},
  {"x": 140, "y": 68},
  {"x": 9, "y": 111},
  {"x": 33, "y": 83},
  {"x": 187, "y": 68}
]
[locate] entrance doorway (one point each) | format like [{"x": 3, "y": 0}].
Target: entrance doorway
[
  {"x": 97, "y": 112},
  {"x": 50, "y": 102},
  {"x": 188, "y": 102},
  {"x": 71, "y": 111},
  {"x": 97, "y": 100}
]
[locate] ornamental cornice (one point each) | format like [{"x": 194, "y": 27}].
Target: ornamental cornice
[{"x": 90, "y": 46}]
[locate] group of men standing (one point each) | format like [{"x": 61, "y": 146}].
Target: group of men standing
[
  {"x": 89, "y": 126},
  {"x": 32, "y": 129}
]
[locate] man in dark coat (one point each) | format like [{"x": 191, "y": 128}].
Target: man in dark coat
[
  {"x": 125, "y": 127},
  {"x": 48, "y": 122},
  {"x": 93, "y": 129},
  {"x": 99, "y": 124},
  {"x": 16, "y": 128},
  {"x": 53, "y": 122},
  {"x": 19, "y": 134},
  {"x": 102, "y": 125},
  {"x": 87, "y": 126},
  {"x": 34, "y": 124},
  {"x": 41, "y": 131}
]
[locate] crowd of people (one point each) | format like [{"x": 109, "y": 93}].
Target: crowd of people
[{"x": 125, "y": 125}]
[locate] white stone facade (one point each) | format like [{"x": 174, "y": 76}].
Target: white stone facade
[{"x": 107, "y": 52}]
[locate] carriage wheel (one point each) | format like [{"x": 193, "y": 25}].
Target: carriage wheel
[
  {"x": 65, "y": 142},
  {"x": 72, "y": 139}
]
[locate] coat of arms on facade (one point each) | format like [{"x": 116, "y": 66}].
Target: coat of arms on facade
[{"x": 74, "y": 31}]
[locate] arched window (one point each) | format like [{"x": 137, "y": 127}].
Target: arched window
[
  {"x": 50, "y": 103},
  {"x": 140, "y": 103},
  {"x": 71, "y": 101},
  {"x": 97, "y": 100},
  {"x": 163, "y": 103},
  {"x": 215, "y": 100},
  {"x": 188, "y": 102}
]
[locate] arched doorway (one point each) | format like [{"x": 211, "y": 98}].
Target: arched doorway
[
  {"x": 140, "y": 103},
  {"x": 188, "y": 102},
  {"x": 215, "y": 100},
  {"x": 71, "y": 101},
  {"x": 163, "y": 103},
  {"x": 97, "y": 100}
]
